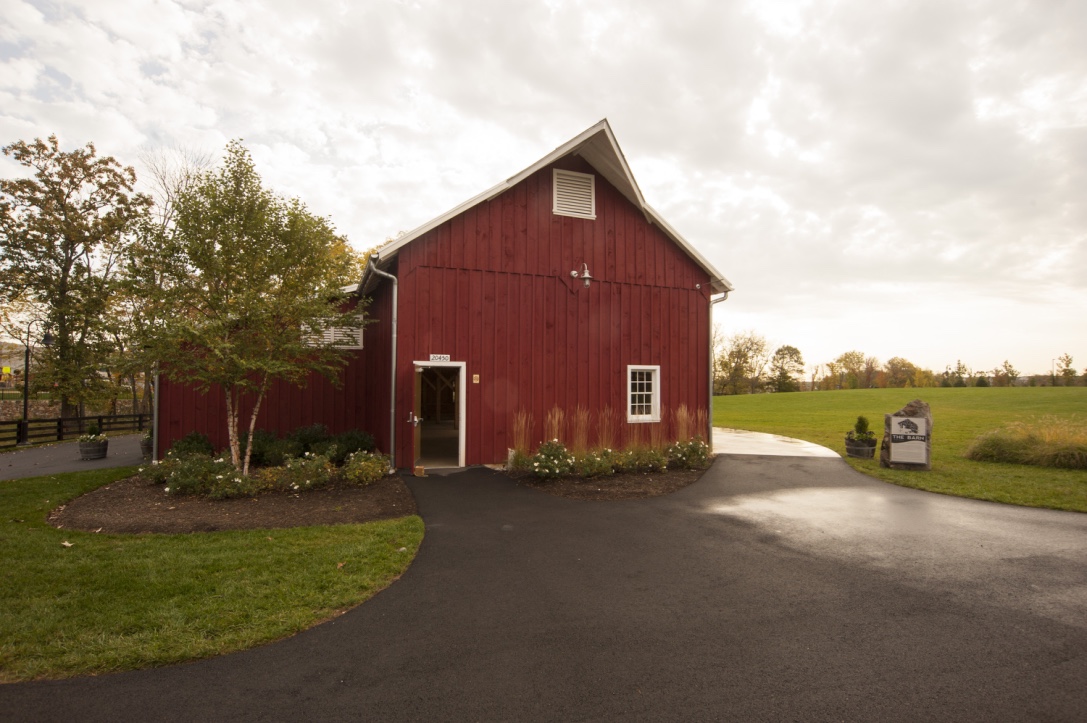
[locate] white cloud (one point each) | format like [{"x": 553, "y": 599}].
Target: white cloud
[{"x": 820, "y": 153}]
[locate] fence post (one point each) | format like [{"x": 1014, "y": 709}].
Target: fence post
[
  {"x": 60, "y": 429},
  {"x": 22, "y": 431}
]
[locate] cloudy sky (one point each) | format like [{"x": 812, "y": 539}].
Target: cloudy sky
[{"x": 902, "y": 178}]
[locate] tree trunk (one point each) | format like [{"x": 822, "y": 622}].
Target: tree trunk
[
  {"x": 253, "y": 424},
  {"x": 148, "y": 392},
  {"x": 232, "y": 427}
]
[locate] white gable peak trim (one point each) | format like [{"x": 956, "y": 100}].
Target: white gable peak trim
[{"x": 597, "y": 145}]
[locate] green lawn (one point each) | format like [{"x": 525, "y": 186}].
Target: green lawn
[
  {"x": 118, "y": 602},
  {"x": 959, "y": 416}
]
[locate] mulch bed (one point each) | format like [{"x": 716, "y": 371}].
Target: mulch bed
[
  {"x": 135, "y": 505},
  {"x": 627, "y": 486}
]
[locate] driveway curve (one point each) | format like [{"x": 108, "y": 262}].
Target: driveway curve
[{"x": 774, "y": 588}]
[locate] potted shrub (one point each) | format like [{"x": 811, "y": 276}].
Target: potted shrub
[
  {"x": 861, "y": 441},
  {"x": 93, "y": 445},
  {"x": 147, "y": 442}
]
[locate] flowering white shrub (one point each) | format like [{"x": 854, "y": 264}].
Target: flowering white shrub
[
  {"x": 552, "y": 460},
  {"x": 694, "y": 454}
]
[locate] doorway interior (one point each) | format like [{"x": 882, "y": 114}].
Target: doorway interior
[{"x": 439, "y": 407}]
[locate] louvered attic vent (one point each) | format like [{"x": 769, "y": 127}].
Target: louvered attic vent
[
  {"x": 575, "y": 194},
  {"x": 341, "y": 336}
]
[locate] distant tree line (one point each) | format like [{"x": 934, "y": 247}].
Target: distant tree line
[{"x": 745, "y": 364}]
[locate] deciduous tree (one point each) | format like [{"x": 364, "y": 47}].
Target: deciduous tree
[
  {"x": 251, "y": 281},
  {"x": 62, "y": 233},
  {"x": 1065, "y": 370},
  {"x": 743, "y": 362},
  {"x": 900, "y": 372},
  {"x": 785, "y": 366}
]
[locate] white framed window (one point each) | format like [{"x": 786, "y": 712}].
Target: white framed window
[
  {"x": 574, "y": 194},
  {"x": 643, "y": 393}
]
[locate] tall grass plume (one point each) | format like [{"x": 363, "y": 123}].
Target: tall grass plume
[
  {"x": 607, "y": 428},
  {"x": 555, "y": 424},
  {"x": 682, "y": 423},
  {"x": 522, "y": 431},
  {"x": 580, "y": 442}
]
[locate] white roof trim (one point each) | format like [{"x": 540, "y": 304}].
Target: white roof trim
[{"x": 615, "y": 170}]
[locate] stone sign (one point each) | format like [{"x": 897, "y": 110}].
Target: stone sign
[{"x": 907, "y": 438}]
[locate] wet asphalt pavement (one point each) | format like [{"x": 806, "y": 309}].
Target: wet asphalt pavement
[
  {"x": 775, "y": 588},
  {"x": 124, "y": 450}
]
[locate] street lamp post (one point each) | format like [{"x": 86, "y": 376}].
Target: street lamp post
[{"x": 47, "y": 340}]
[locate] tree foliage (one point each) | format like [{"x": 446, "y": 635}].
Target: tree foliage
[
  {"x": 62, "y": 233},
  {"x": 851, "y": 365},
  {"x": 786, "y": 365},
  {"x": 248, "y": 283},
  {"x": 742, "y": 362},
  {"x": 900, "y": 372},
  {"x": 1065, "y": 370}
]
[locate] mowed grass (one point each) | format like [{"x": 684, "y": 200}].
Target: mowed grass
[
  {"x": 119, "y": 602},
  {"x": 959, "y": 416}
]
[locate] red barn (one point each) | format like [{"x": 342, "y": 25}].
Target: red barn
[{"x": 559, "y": 288}]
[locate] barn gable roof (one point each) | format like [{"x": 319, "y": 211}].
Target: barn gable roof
[{"x": 597, "y": 145}]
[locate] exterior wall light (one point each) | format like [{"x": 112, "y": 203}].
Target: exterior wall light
[{"x": 584, "y": 275}]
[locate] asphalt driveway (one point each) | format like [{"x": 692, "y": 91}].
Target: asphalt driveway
[
  {"x": 124, "y": 450},
  {"x": 775, "y": 588}
]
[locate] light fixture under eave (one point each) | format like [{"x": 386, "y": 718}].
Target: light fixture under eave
[{"x": 584, "y": 275}]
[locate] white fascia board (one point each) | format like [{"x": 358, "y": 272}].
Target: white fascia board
[{"x": 718, "y": 283}]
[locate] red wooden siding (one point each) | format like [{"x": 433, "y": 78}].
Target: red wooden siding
[
  {"x": 361, "y": 401},
  {"x": 492, "y": 288}
]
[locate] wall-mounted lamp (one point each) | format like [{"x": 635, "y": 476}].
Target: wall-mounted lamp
[{"x": 584, "y": 275}]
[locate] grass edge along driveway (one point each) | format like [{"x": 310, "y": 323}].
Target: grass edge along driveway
[
  {"x": 959, "y": 416},
  {"x": 105, "y": 603}
]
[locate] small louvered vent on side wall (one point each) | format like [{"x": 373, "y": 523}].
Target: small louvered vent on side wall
[{"x": 575, "y": 194}]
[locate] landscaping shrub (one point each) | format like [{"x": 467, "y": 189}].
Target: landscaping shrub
[
  {"x": 363, "y": 468},
  {"x": 693, "y": 454},
  {"x": 552, "y": 460},
  {"x": 314, "y": 439},
  {"x": 199, "y": 474},
  {"x": 348, "y": 443},
  {"x": 268, "y": 449},
  {"x": 307, "y": 472},
  {"x": 641, "y": 459},
  {"x": 1049, "y": 442},
  {"x": 594, "y": 464},
  {"x": 192, "y": 443}
]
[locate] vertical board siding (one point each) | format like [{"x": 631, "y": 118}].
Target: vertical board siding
[
  {"x": 507, "y": 307},
  {"x": 359, "y": 399}
]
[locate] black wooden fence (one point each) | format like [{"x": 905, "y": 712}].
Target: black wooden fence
[{"x": 62, "y": 428}]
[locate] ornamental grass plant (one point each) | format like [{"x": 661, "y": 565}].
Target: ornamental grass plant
[{"x": 1047, "y": 442}]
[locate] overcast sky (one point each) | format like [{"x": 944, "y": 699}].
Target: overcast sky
[{"x": 901, "y": 178}]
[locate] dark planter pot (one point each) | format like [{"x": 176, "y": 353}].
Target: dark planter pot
[
  {"x": 860, "y": 450},
  {"x": 93, "y": 450},
  {"x": 147, "y": 447}
]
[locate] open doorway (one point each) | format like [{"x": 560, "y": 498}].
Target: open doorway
[{"x": 439, "y": 409}]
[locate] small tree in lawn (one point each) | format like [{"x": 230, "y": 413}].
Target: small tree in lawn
[
  {"x": 786, "y": 364},
  {"x": 250, "y": 282}
]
